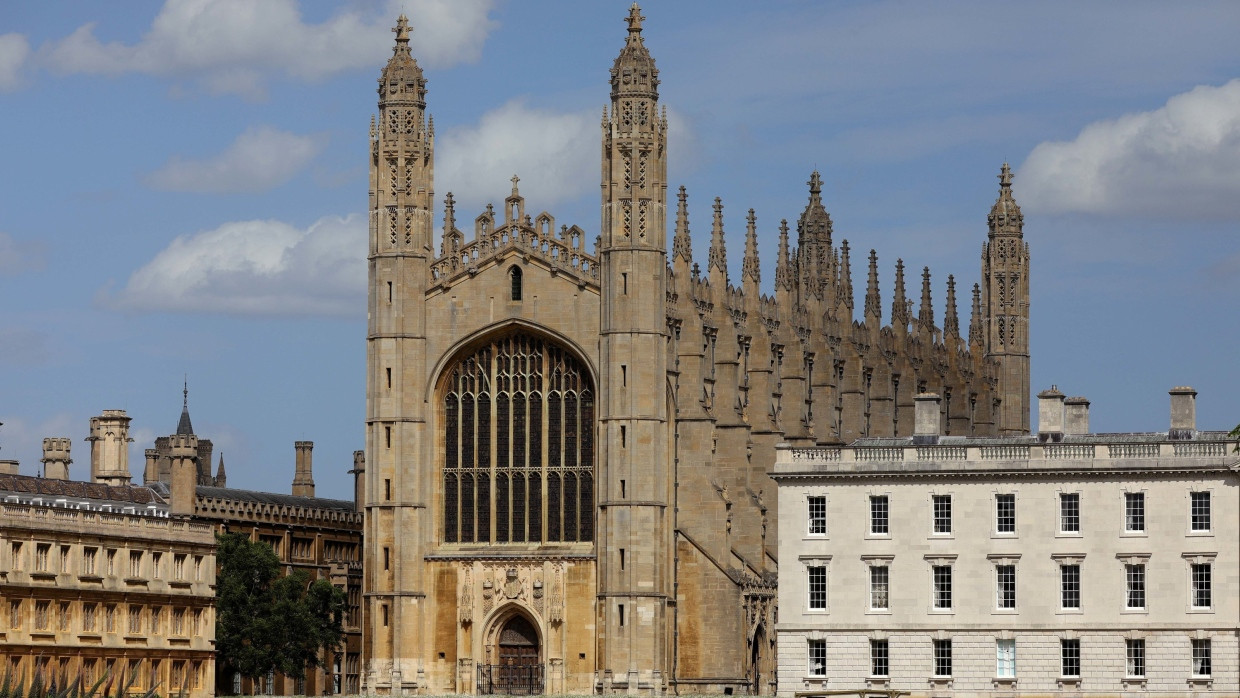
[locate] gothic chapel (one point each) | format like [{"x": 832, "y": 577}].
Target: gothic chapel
[{"x": 567, "y": 447}]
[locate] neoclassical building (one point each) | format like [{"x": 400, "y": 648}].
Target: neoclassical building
[
  {"x": 1060, "y": 563},
  {"x": 568, "y": 433}
]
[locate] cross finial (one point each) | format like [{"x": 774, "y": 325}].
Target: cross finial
[
  {"x": 402, "y": 29},
  {"x": 635, "y": 18},
  {"x": 514, "y": 180},
  {"x": 1005, "y": 176}
]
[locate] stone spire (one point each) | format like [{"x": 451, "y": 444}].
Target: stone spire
[
  {"x": 682, "y": 244},
  {"x": 452, "y": 239},
  {"x": 1005, "y": 218},
  {"x": 815, "y": 255},
  {"x": 784, "y": 274},
  {"x": 873, "y": 303},
  {"x": 184, "y": 427},
  {"x": 900, "y": 309},
  {"x": 402, "y": 79},
  {"x": 844, "y": 302},
  {"x": 633, "y": 74},
  {"x": 951, "y": 322},
  {"x": 750, "y": 271},
  {"x": 221, "y": 478},
  {"x": 925, "y": 315},
  {"x": 718, "y": 256},
  {"x": 977, "y": 337}
]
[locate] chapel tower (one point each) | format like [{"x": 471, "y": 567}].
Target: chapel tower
[
  {"x": 1005, "y": 303},
  {"x": 401, "y": 192},
  {"x": 635, "y": 555}
]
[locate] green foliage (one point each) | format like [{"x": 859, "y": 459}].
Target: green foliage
[
  {"x": 62, "y": 687},
  {"x": 266, "y": 621},
  {"x": 1235, "y": 434}
]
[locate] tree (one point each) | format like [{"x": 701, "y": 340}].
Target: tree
[
  {"x": 1235, "y": 434},
  {"x": 265, "y": 621}
]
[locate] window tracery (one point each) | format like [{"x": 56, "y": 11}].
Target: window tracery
[{"x": 540, "y": 402}]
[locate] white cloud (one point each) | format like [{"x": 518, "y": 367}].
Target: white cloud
[
  {"x": 234, "y": 46},
  {"x": 554, "y": 153},
  {"x": 1181, "y": 160},
  {"x": 13, "y": 51},
  {"x": 260, "y": 267},
  {"x": 22, "y": 440},
  {"x": 261, "y": 158},
  {"x": 17, "y": 256}
]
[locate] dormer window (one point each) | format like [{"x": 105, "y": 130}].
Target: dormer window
[{"x": 514, "y": 275}]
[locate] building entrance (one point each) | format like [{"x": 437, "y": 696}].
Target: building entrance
[{"x": 518, "y": 669}]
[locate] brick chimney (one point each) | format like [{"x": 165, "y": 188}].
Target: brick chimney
[{"x": 303, "y": 478}]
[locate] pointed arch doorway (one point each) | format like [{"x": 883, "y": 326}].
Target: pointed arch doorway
[{"x": 517, "y": 653}]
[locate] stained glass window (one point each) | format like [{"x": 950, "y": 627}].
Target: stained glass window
[{"x": 504, "y": 437}]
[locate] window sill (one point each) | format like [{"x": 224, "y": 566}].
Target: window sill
[
  {"x": 1069, "y": 682},
  {"x": 1134, "y": 534},
  {"x": 878, "y": 536},
  {"x": 1002, "y": 682},
  {"x": 1135, "y": 612},
  {"x": 1069, "y": 612},
  {"x": 1195, "y": 609},
  {"x": 940, "y": 682},
  {"x": 1004, "y": 612},
  {"x": 43, "y": 576},
  {"x": 1199, "y": 534},
  {"x": 1199, "y": 682},
  {"x": 878, "y": 612},
  {"x": 1003, "y": 536},
  {"x": 1133, "y": 681},
  {"x": 873, "y": 682},
  {"x": 941, "y": 536},
  {"x": 1069, "y": 534},
  {"x": 813, "y": 537},
  {"x": 90, "y": 578},
  {"x": 943, "y": 611}
]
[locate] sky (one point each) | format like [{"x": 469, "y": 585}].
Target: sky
[{"x": 184, "y": 185}]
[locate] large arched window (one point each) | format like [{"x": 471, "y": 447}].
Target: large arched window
[{"x": 518, "y": 445}]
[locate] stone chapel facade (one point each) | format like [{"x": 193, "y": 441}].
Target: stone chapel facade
[{"x": 567, "y": 449}]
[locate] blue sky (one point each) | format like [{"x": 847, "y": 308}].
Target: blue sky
[{"x": 185, "y": 184}]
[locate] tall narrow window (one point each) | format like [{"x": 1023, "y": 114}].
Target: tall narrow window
[
  {"x": 1135, "y": 597},
  {"x": 942, "y": 575},
  {"x": 942, "y": 657},
  {"x": 817, "y": 657},
  {"x": 514, "y": 278},
  {"x": 1200, "y": 512},
  {"x": 817, "y": 588},
  {"x": 879, "y": 658},
  {"x": 817, "y": 516},
  {"x": 878, "y": 515},
  {"x": 1005, "y": 513},
  {"x": 1202, "y": 596},
  {"x": 1069, "y": 512},
  {"x": 1070, "y": 658},
  {"x": 1070, "y": 586},
  {"x": 1202, "y": 659},
  {"x": 1135, "y": 655},
  {"x": 879, "y": 583},
  {"x": 1005, "y": 579},
  {"x": 1134, "y": 511},
  {"x": 1005, "y": 659},
  {"x": 942, "y": 504}
]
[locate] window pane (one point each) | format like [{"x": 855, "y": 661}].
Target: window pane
[
  {"x": 1200, "y": 511},
  {"x": 1070, "y": 513},
  {"x": 1005, "y": 513},
  {"x": 1005, "y": 658},
  {"x": 878, "y": 515},
  {"x": 817, "y": 515},
  {"x": 1134, "y": 511}
]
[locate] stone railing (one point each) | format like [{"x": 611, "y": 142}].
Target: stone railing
[
  {"x": 976, "y": 454},
  {"x": 125, "y": 525}
]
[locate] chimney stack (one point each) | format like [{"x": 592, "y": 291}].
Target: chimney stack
[
  {"x": 150, "y": 474},
  {"x": 109, "y": 448},
  {"x": 926, "y": 418},
  {"x": 359, "y": 480},
  {"x": 1050, "y": 415},
  {"x": 303, "y": 478},
  {"x": 1183, "y": 413},
  {"x": 1076, "y": 415},
  {"x": 183, "y": 448},
  {"x": 8, "y": 467},
  {"x": 56, "y": 458}
]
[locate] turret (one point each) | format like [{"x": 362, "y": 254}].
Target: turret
[
  {"x": 951, "y": 321},
  {"x": 815, "y": 255},
  {"x": 109, "y": 448},
  {"x": 873, "y": 303},
  {"x": 184, "y": 452},
  {"x": 682, "y": 244},
  {"x": 900, "y": 307},
  {"x": 785, "y": 275},
  {"x": 925, "y": 315},
  {"x": 750, "y": 272},
  {"x": 844, "y": 301},
  {"x": 221, "y": 477},
  {"x": 56, "y": 458},
  {"x": 717, "y": 258},
  {"x": 1005, "y": 305}
]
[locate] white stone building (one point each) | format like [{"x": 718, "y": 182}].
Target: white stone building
[{"x": 1065, "y": 562}]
